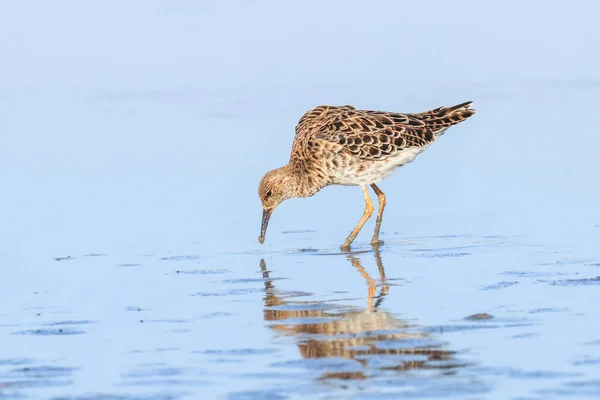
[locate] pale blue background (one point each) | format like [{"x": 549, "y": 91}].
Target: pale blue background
[{"x": 139, "y": 130}]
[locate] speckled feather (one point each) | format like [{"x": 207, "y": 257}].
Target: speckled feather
[{"x": 343, "y": 145}]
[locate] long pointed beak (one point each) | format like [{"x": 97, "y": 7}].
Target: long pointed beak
[{"x": 265, "y": 223}]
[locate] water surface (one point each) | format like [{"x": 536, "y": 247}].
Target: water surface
[{"x": 133, "y": 139}]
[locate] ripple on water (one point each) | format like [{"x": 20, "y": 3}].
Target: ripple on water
[
  {"x": 180, "y": 258},
  {"x": 404, "y": 387},
  {"x": 548, "y": 310},
  {"x": 391, "y": 361},
  {"x": 23, "y": 374},
  {"x": 167, "y": 321},
  {"x": 574, "y": 389},
  {"x": 527, "y": 335},
  {"x": 159, "y": 374},
  {"x": 60, "y": 323},
  {"x": 236, "y": 352},
  {"x": 521, "y": 373},
  {"x": 568, "y": 261},
  {"x": 15, "y": 361},
  {"x": 534, "y": 274},
  {"x": 443, "y": 255},
  {"x": 337, "y": 364},
  {"x": 201, "y": 271},
  {"x": 44, "y": 371},
  {"x": 150, "y": 372},
  {"x": 587, "y": 361},
  {"x": 51, "y": 332},
  {"x": 317, "y": 306},
  {"x": 306, "y": 321},
  {"x": 413, "y": 344},
  {"x": 57, "y": 328},
  {"x": 458, "y": 328},
  {"x": 135, "y": 308},
  {"x": 248, "y": 280},
  {"x": 217, "y": 314},
  {"x": 577, "y": 282},
  {"x": 163, "y": 395},
  {"x": 65, "y": 258},
  {"x": 233, "y": 292},
  {"x": 257, "y": 395},
  {"x": 500, "y": 285}
]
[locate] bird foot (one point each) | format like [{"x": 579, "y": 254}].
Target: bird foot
[
  {"x": 376, "y": 244},
  {"x": 345, "y": 247}
]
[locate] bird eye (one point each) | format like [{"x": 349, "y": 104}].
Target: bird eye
[{"x": 269, "y": 193}]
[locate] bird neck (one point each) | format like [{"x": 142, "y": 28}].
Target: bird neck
[{"x": 305, "y": 182}]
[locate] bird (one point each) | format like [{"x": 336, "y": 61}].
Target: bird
[{"x": 342, "y": 145}]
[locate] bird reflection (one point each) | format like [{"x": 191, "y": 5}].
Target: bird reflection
[{"x": 368, "y": 335}]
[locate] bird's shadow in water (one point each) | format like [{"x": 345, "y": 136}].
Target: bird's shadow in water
[{"x": 371, "y": 339}]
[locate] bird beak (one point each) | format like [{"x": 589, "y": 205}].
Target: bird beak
[{"x": 265, "y": 221}]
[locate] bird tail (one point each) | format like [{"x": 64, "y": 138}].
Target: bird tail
[{"x": 442, "y": 118}]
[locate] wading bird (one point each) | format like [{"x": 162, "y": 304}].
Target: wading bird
[{"x": 340, "y": 145}]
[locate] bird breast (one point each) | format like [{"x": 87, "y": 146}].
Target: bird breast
[{"x": 352, "y": 171}]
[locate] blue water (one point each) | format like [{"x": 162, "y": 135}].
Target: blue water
[{"x": 134, "y": 134}]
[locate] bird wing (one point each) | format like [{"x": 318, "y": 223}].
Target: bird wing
[
  {"x": 369, "y": 135},
  {"x": 441, "y": 118},
  {"x": 376, "y": 135},
  {"x": 313, "y": 119}
]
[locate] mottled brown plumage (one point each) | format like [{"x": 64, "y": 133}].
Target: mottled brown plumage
[{"x": 345, "y": 146}]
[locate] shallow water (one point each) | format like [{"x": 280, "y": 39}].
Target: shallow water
[{"x": 133, "y": 139}]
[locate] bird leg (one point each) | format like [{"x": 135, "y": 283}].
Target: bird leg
[
  {"x": 366, "y": 215},
  {"x": 375, "y": 242}
]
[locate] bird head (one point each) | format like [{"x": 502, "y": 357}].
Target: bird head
[{"x": 275, "y": 187}]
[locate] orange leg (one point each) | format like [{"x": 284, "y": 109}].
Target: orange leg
[
  {"x": 375, "y": 242},
  {"x": 366, "y": 215}
]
